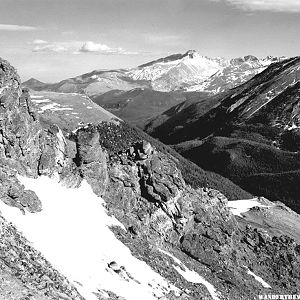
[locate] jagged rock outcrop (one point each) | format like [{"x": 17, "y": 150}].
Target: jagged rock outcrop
[
  {"x": 20, "y": 129},
  {"x": 25, "y": 146},
  {"x": 14, "y": 194}
]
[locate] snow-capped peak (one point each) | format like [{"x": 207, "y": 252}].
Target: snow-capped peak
[
  {"x": 193, "y": 71},
  {"x": 179, "y": 68},
  {"x": 191, "y": 53}
]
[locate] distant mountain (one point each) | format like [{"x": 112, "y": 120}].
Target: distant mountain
[
  {"x": 93, "y": 83},
  {"x": 178, "y": 71},
  {"x": 270, "y": 98},
  {"x": 34, "y": 84},
  {"x": 193, "y": 72},
  {"x": 250, "y": 134},
  {"x": 236, "y": 72},
  {"x": 175, "y": 74},
  {"x": 188, "y": 72}
]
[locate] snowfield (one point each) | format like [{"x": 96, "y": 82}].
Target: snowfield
[
  {"x": 60, "y": 108},
  {"x": 238, "y": 207},
  {"x": 73, "y": 233},
  {"x": 53, "y": 107},
  {"x": 38, "y": 101}
]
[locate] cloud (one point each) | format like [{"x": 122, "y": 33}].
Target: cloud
[
  {"x": 39, "y": 42},
  {"x": 49, "y": 48},
  {"x": 292, "y": 6},
  {"x": 97, "y": 48},
  {"x": 56, "y": 47},
  {"x": 78, "y": 47},
  {"x": 12, "y": 27},
  {"x": 94, "y": 47}
]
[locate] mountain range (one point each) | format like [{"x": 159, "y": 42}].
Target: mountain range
[{"x": 154, "y": 87}]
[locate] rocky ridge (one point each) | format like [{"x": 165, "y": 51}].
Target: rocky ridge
[{"x": 143, "y": 189}]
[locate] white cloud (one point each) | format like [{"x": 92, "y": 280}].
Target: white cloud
[
  {"x": 39, "y": 42},
  {"x": 58, "y": 47},
  {"x": 265, "y": 5},
  {"x": 92, "y": 47},
  {"x": 13, "y": 27},
  {"x": 78, "y": 47},
  {"x": 49, "y": 48}
]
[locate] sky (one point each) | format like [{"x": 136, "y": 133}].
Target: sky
[{"x": 52, "y": 40}]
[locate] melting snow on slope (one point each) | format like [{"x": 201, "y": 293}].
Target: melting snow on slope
[
  {"x": 239, "y": 207},
  {"x": 40, "y": 100},
  {"x": 192, "y": 276},
  {"x": 259, "y": 279},
  {"x": 73, "y": 234},
  {"x": 36, "y": 97},
  {"x": 54, "y": 107}
]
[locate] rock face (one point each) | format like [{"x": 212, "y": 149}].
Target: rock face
[
  {"x": 144, "y": 189},
  {"x": 20, "y": 131},
  {"x": 25, "y": 146}
]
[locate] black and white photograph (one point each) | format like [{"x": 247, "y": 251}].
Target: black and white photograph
[{"x": 149, "y": 149}]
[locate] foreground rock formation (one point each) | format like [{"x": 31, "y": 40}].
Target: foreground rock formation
[{"x": 188, "y": 236}]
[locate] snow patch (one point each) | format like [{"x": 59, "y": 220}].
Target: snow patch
[
  {"x": 50, "y": 106},
  {"x": 36, "y": 97},
  {"x": 259, "y": 279},
  {"x": 172, "y": 256},
  {"x": 73, "y": 234},
  {"x": 239, "y": 207},
  {"x": 192, "y": 276},
  {"x": 40, "y": 100},
  {"x": 62, "y": 108},
  {"x": 54, "y": 107}
]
